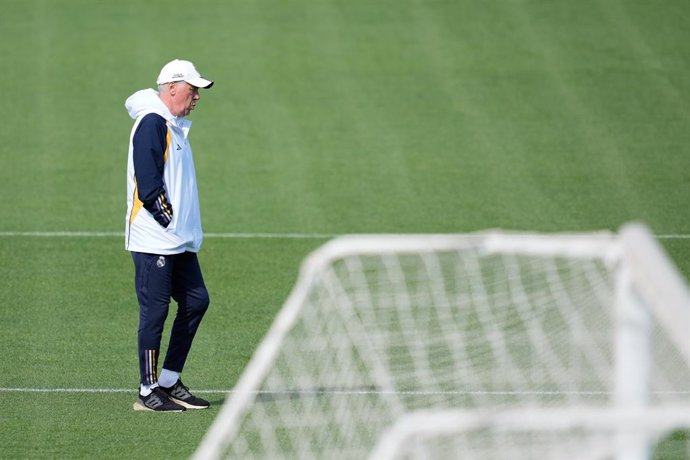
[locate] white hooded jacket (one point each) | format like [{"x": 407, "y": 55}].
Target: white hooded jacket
[{"x": 143, "y": 233}]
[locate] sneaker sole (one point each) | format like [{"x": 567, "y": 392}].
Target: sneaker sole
[
  {"x": 185, "y": 404},
  {"x": 140, "y": 407}
]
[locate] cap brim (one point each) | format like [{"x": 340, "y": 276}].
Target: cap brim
[{"x": 200, "y": 82}]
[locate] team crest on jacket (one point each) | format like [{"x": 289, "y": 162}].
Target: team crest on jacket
[{"x": 160, "y": 263}]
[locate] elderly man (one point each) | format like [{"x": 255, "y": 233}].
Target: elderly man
[{"x": 163, "y": 232}]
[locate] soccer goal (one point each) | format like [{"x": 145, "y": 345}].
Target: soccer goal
[{"x": 483, "y": 346}]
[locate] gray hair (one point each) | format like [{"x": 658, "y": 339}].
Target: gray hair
[{"x": 163, "y": 87}]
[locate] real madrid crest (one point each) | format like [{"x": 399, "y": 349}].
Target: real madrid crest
[{"x": 160, "y": 263}]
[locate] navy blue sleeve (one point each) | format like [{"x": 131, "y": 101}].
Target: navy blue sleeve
[{"x": 149, "y": 144}]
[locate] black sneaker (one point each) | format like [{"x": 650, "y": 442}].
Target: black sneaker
[
  {"x": 181, "y": 395},
  {"x": 157, "y": 401}
]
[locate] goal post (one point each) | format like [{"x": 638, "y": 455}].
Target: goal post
[{"x": 589, "y": 329}]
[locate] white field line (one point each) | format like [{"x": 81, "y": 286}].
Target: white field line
[
  {"x": 206, "y": 235},
  {"x": 88, "y": 390},
  {"x": 236, "y": 235},
  {"x": 321, "y": 391}
]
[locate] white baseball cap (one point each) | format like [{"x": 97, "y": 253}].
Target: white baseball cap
[{"x": 179, "y": 70}]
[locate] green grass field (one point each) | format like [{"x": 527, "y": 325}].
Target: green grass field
[{"x": 327, "y": 117}]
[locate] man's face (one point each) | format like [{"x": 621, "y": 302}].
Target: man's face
[{"x": 184, "y": 97}]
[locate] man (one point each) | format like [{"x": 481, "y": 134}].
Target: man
[{"x": 163, "y": 232}]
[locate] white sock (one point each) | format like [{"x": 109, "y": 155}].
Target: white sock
[
  {"x": 146, "y": 390},
  {"x": 168, "y": 378}
]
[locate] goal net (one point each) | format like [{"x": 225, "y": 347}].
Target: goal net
[{"x": 480, "y": 346}]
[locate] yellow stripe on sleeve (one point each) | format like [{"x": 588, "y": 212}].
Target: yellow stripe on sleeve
[{"x": 137, "y": 204}]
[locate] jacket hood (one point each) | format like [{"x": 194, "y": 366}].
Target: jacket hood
[{"x": 147, "y": 101}]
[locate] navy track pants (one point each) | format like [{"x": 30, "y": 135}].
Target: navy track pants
[{"x": 157, "y": 279}]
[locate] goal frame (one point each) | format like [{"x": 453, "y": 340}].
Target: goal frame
[
  {"x": 646, "y": 269},
  {"x": 639, "y": 425}
]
